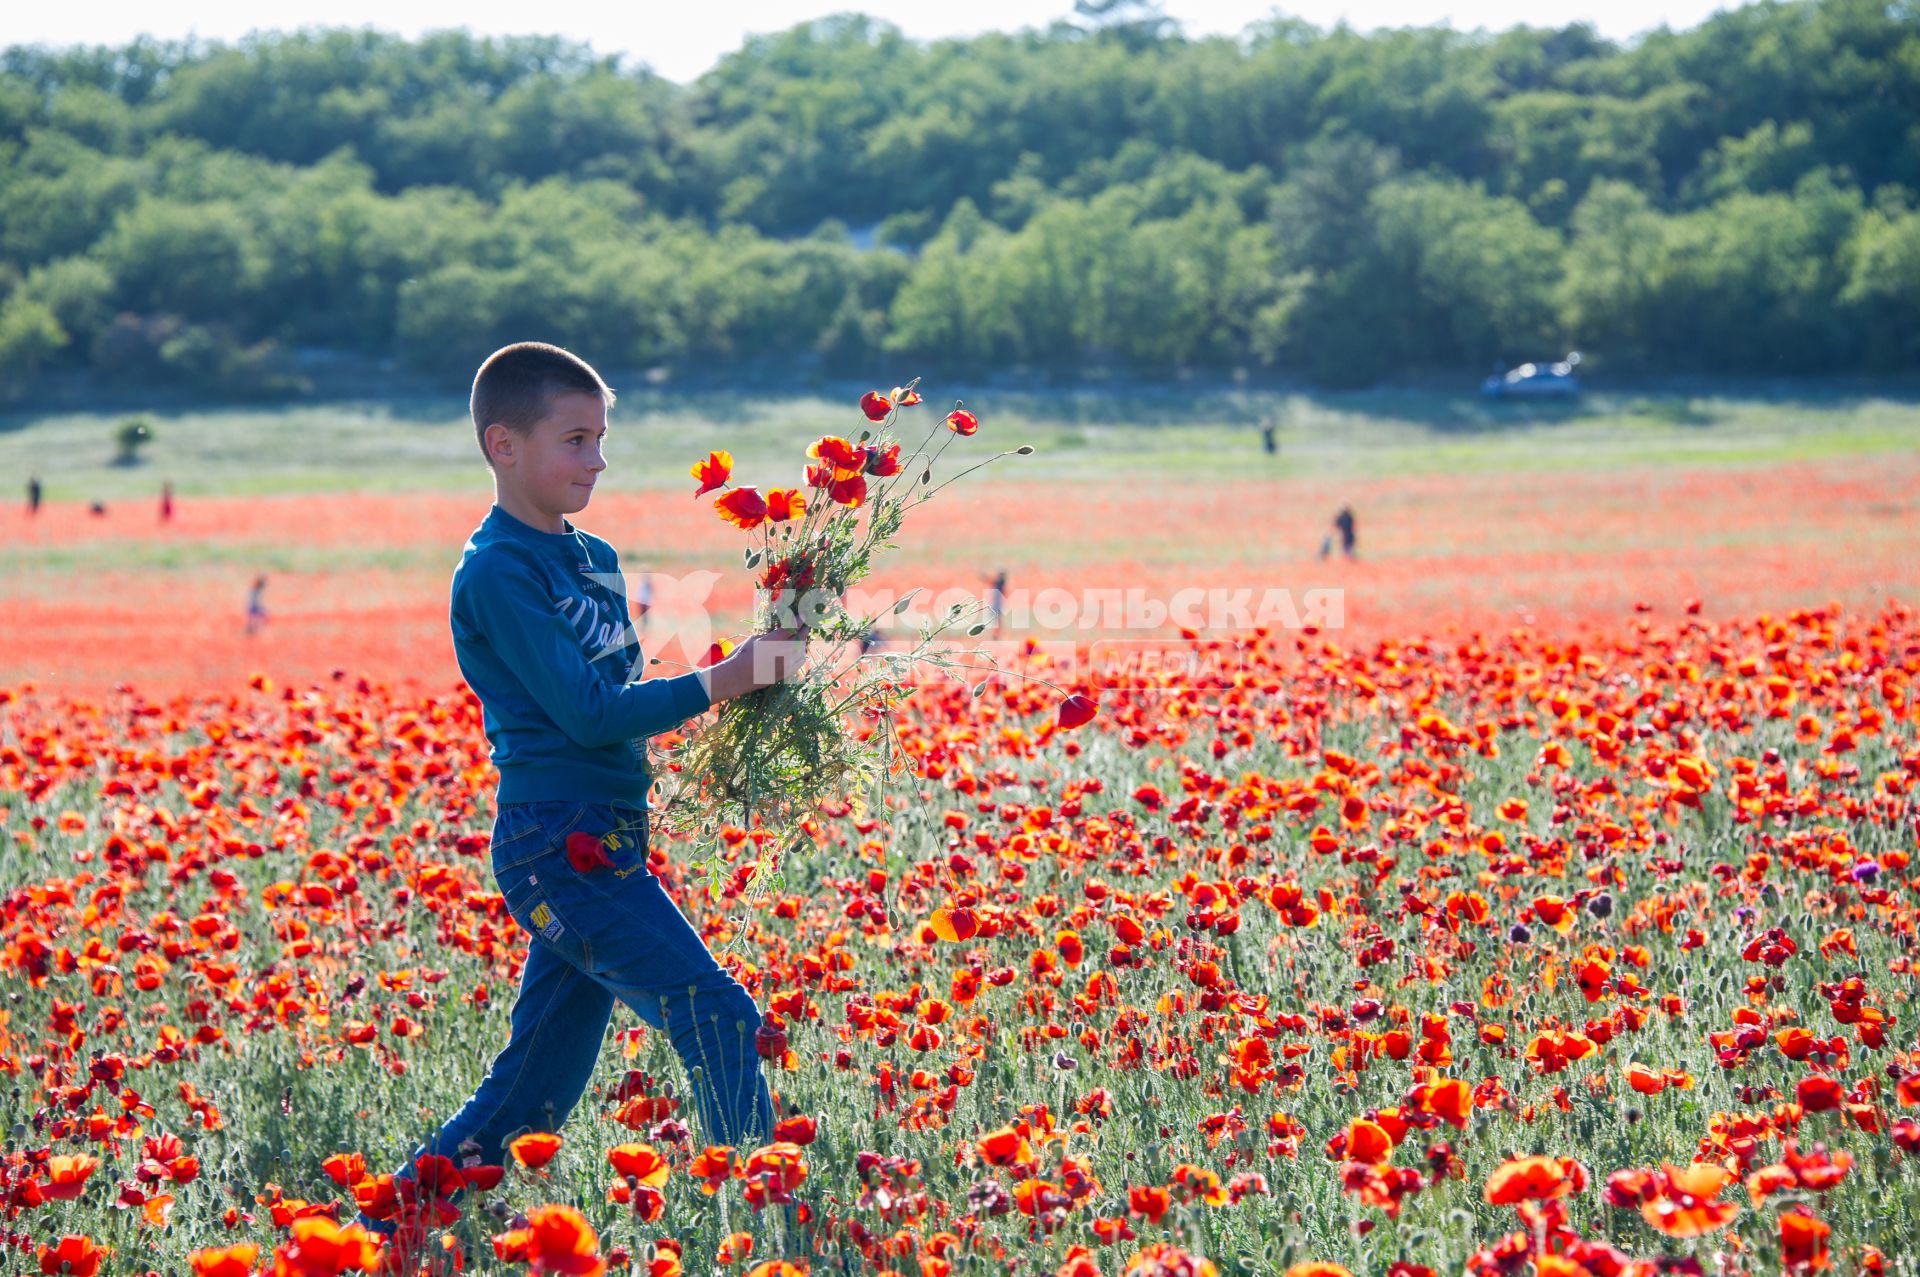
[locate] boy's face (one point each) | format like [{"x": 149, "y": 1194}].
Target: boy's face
[{"x": 553, "y": 466}]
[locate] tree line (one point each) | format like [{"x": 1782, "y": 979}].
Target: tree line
[{"x": 1740, "y": 197}]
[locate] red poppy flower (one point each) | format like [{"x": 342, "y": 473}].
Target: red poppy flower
[
  {"x": 713, "y": 472},
  {"x": 1076, "y": 711},
  {"x": 798, "y": 1129},
  {"x": 75, "y": 1255},
  {"x": 744, "y": 508},
  {"x": 586, "y": 853},
  {"x": 1818, "y": 1094},
  {"x": 962, "y": 422},
  {"x": 850, "y": 492},
  {"x": 1803, "y": 1241},
  {"x": 884, "y": 463},
  {"x": 875, "y": 405}
]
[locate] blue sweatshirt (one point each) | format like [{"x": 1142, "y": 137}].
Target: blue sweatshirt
[{"x": 541, "y": 631}]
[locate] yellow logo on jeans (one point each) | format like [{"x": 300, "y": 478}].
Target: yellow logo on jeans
[{"x": 544, "y": 922}]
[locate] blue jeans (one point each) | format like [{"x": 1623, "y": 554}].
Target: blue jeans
[{"x": 612, "y": 932}]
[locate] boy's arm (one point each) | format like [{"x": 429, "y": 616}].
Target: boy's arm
[{"x": 511, "y": 610}]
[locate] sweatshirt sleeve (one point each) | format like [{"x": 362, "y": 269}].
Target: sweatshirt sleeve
[{"x": 510, "y": 609}]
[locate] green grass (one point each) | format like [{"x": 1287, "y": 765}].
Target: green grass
[{"x": 426, "y": 444}]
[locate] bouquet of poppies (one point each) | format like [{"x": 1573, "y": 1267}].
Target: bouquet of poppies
[{"x": 771, "y": 759}]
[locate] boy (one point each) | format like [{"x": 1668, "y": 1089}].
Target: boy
[{"x": 540, "y": 629}]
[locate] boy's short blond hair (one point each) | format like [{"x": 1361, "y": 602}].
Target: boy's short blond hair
[{"x": 515, "y": 387}]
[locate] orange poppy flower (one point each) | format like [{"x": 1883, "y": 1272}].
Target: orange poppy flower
[
  {"x": 714, "y": 1165},
  {"x": 776, "y": 1268},
  {"x": 1368, "y": 1142},
  {"x": 345, "y": 1169},
  {"x": 641, "y": 1162},
  {"x": 1449, "y": 1099},
  {"x": 321, "y": 1248},
  {"x": 1033, "y": 1196},
  {"x": 847, "y": 459},
  {"x": 1150, "y": 1201},
  {"x": 744, "y": 508},
  {"x": 734, "y": 1247},
  {"x": 156, "y": 1209},
  {"x": 1537, "y": 1178},
  {"x": 772, "y": 1172},
  {"x": 962, "y": 422},
  {"x": 784, "y": 504},
  {"x": 954, "y": 924},
  {"x": 1318, "y": 1268},
  {"x": 536, "y": 1149},
  {"x": 1005, "y": 1147},
  {"x": 68, "y": 1174},
  {"x": 1163, "y": 1258},
  {"x": 1686, "y": 1206},
  {"x": 225, "y": 1261},
  {"x": 557, "y": 1239},
  {"x": 713, "y": 472}
]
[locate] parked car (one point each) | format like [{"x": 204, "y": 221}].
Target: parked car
[{"x": 1535, "y": 381}]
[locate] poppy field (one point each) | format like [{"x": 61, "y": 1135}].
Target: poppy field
[
  {"x": 1556, "y": 918},
  {"x": 1497, "y": 957}
]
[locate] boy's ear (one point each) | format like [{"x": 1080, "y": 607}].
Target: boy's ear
[{"x": 500, "y": 445}]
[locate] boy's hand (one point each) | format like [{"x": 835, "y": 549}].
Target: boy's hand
[{"x": 761, "y": 661}]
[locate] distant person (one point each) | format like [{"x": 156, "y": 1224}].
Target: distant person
[
  {"x": 996, "y": 598},
  {"x": 1343, "y": 524},
  {"x": 98, "y": 509},
  {"x": 1268, "y": 440},
  {"x": 33, "y": 495},
  {"x": 256, "y": 610},
  {"x": 645, "y": 603},
  {"x": 166, "y": 503}
]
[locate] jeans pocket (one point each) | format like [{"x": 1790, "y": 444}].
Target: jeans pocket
[
  {"x": 528, "y": 890},
  {"x": 527, "y": 831}
]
